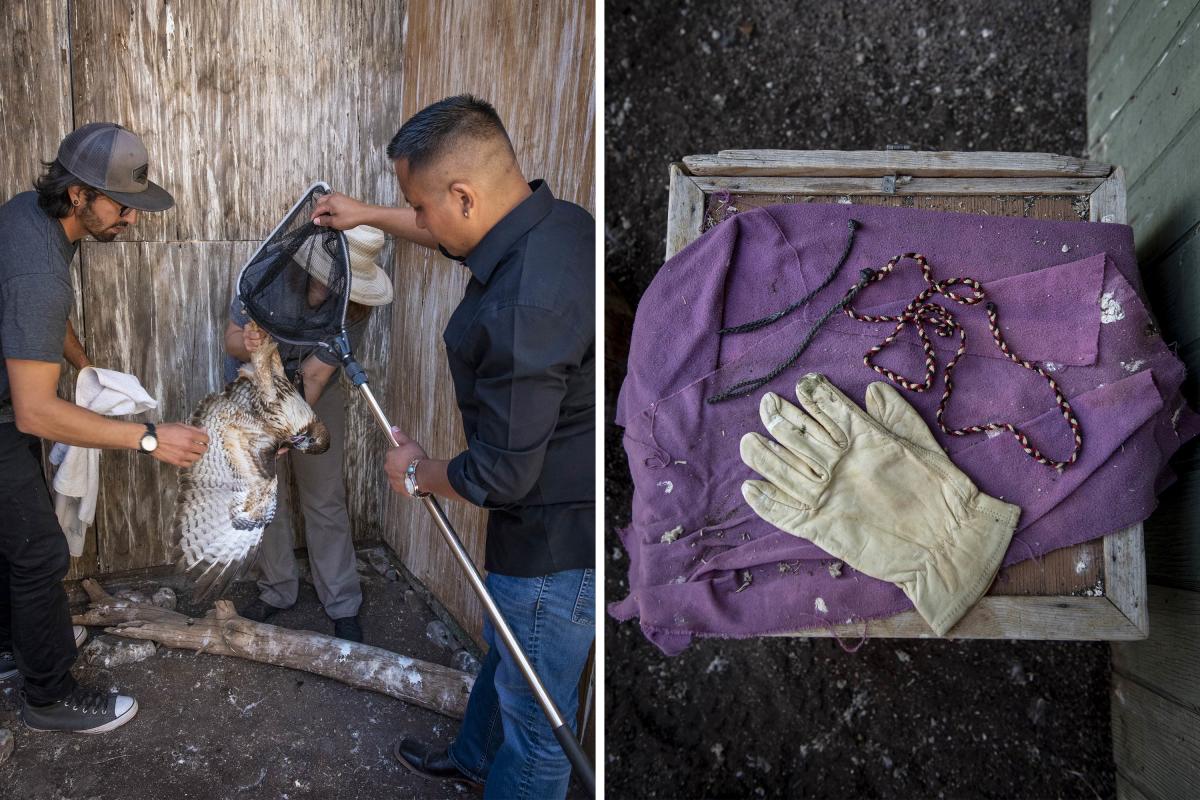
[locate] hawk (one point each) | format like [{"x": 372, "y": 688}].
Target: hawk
[{"x": 227, "y": 498}]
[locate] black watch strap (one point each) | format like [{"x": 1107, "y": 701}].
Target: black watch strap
[{"x": 150, "y": 429}]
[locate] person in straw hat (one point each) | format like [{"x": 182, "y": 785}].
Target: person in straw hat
[{"x": 320, "y": 485}]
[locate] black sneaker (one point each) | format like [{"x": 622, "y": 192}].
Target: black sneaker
[
  {"x": 257, "y": 610},
  {"x": 348, "y": 628},
  {"x": 82, "y": 711},
  {"x": 8, "y": 664}
]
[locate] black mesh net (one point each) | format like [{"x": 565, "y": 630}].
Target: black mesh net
[{"x": 297, "y": 285}]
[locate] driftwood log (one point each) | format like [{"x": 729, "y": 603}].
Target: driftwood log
[{"x": 223, "y": 632}]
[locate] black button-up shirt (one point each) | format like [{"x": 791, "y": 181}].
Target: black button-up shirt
[{"x": 522, "y": 356}]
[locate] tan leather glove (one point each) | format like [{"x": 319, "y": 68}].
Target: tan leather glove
[{"x": 876, "y": 491}]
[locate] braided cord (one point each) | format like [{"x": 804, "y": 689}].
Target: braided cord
[{"x": 919, "y": 313}]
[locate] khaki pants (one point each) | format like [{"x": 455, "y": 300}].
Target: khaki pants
[{"x": 321, "y": 494}]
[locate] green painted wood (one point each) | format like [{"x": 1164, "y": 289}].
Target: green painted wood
[
  {"x": 1156, "y": 743},
  {"x": 1173, "y": 287},
  {"x": 1169, "y": 660},
  {"x": 1127, "y": 791},
  {"x": 1136, "y": 49},
  {"x": 1161, "y": 107},
  {"x": 1107, "y": 16},
  {"x": 1165, "y": 203},
  {"x": 1172, "y": 534}
]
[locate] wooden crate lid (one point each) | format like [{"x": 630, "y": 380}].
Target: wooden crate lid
[{"x": 868, "y": 163}]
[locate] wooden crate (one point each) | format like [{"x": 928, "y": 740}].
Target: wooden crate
[{"x": 1095, "y": 590}]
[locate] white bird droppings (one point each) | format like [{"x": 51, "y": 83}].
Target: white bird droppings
[
  {"x": 1110, "y": 309},
  {"x": 820, "y": 605}
]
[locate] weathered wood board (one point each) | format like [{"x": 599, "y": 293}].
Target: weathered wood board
[
  {"x": 243, "y": 105},
  {"x": 535, "y": 64},
  {"x": 1173, "y": 532},
  {"x": 1156, "y": 743},
  {"x": 1168, "y": 661},
  {"x": 1094, "y": 590},
  {"x": 235, "y": 152},
  {"x": 35, "y": 92}
]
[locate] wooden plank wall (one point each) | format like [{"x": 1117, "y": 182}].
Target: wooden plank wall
[
  {"x": 535, "y": 63},
  {"x": 1144, "y": 114},
  {"x": 241, "y": 106}
]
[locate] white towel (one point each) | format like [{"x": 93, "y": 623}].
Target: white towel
[{"x": 77, "y": 481}]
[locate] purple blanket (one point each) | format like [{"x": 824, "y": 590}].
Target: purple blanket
[{"x": 1069, "y": 298}]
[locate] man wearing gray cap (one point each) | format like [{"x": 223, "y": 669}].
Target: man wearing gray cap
[{"x": 95, "y": 187}]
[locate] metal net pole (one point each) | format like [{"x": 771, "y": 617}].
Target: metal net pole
[{"x": 562, "y": 731}]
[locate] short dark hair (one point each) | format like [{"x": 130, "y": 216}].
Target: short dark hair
[
  {"x": 52, "y": 186},
  {"x": 430, "y": 132}
]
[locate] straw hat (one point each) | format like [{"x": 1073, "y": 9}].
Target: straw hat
[{"x": 369, "y": 284}]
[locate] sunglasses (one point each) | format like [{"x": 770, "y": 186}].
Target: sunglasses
[{"x": 122, "y": 210}]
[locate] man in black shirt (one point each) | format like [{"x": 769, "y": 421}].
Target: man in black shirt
[{"x": 521, "y": 353}]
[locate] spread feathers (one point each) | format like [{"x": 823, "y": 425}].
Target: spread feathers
[{"x": 227, "y": 498}]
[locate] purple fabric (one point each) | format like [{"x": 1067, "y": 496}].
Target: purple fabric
[{"x": 1068, "y": 297}]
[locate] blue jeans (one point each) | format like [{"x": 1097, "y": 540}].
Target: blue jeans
[{"x": 505, "y": 740}]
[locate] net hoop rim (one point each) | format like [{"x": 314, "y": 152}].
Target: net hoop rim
[{"x": 325, "y": 188}]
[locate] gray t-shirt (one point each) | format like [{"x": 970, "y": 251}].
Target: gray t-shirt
[
  {"x": 35, "y": 288},
  {"x": 292, "y": 355}
]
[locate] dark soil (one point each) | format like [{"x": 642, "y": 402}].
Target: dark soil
[
  {"x": 795, "y": 717},
  {"x": 221, "y": 727}
]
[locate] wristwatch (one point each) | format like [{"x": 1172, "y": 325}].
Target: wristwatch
[
  {"x": 410, "y": 480},
  {"x": 149, "y": 440}
]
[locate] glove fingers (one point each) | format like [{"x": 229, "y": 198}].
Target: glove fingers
[
  {"x": 826, "y": 404},
  {"x": 892, "y": 411},
  {"x": 775, "y": 506},
  {"x": 798, "y": 432},
  {"x": 786, "y": 470}
]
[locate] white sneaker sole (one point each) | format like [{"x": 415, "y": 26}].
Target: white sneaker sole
[{"x": 105, "y": 728}]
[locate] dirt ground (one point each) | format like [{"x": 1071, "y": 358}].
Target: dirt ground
[
  {"x": 221, "y": 727},
  {"x": 803, "y": 718}
]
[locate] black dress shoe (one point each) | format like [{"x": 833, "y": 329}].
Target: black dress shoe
[
  {"x": 348, "y": 628},
  {"x": 424, "y": 760}
]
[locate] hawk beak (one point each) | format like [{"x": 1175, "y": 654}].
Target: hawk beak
[{"x": 314, "y": 439}]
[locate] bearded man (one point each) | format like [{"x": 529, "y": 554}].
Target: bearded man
[{"x": 96, "y": 186}]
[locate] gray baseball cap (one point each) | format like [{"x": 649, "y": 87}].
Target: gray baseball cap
[{"x": 112, "y": 159}]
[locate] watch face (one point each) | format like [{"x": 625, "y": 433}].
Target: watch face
[
  {"x": 409, "y": 485},
  {"x": 149, "y": 442}
]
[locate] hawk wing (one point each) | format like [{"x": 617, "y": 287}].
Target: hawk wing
[{"x": 226, "y": 499}]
